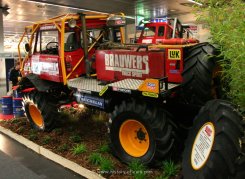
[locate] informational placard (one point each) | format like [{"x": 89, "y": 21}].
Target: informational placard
[{"x": 202, "y": 146}]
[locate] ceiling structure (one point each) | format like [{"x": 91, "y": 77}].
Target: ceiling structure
[{"x": 24, "y": 12}]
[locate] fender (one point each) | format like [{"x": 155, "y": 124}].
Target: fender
[{"x": 32, "y": 80}]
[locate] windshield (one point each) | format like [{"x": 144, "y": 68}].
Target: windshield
[{"x": 149, "y": 31}]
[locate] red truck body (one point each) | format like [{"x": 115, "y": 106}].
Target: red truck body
[{"x": 114, "y": 65}]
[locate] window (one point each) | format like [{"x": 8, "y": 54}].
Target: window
[
  {"x": 161, "y": 31},
  {"x": 72, "y": 41},
  {"x": 47, "y": 42},
  {"x": 149, "y": 32}
]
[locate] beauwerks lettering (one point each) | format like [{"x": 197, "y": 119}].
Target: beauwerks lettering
[{"x": 129, "y": 63}]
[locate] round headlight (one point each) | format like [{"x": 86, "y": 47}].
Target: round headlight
[{"x": 72, "y": 23}]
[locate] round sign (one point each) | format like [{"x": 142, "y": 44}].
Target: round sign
[{"x": 202, "y": 146}]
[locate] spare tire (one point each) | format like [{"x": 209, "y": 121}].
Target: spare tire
[
  {"x": 200, "y": 80},
  {"x": 214, "y": 145}
]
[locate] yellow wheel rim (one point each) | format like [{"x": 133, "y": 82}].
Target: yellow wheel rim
[
  {"x": 134, "y": 138},
  {"x": 36, "y": 115}
]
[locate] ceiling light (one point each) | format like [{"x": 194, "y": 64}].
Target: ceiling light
[
  {"x": 12, "y": 20},
  {"x": 172, "y": 10},
  {"x": 68, "y": 7},
  {"x": 198, "y": 3},
  {"x": 60, "y": 5}
]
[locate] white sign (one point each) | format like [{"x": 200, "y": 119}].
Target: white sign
[
  {"x": 35, "y": 65},
  {"x": 202, "y": 146},
  {"x": 38, "y": 67}
]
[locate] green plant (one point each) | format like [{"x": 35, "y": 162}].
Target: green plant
[
  {"x": 104, "y": 148},
  {"x": 14, "y": 121},
  {"x": 75, "y": 138},
  {"x": 106, "y": 164},
  {"x": 95, "y": 158},
  {"x": 32, "y": 137},
  {"x": 63, "y": 148},
  {"x": 21, "y": 129},
  {"x": 79, "y": 148},
  {"x": 46, "y": 139},
  {"x": 32, "y": 134},
  {"x": 169, "y": 169},
  {"x": 137, "y": 169},
  {"x": 225, "y": 19}
]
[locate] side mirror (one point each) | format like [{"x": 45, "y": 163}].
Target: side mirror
[{"x": 27, "y": 47}]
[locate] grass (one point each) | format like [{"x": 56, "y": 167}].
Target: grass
[
  {"x": 137, "y": 169},
  {"x": 95, "y": 158},
  {"x": 32, "y": 135},
  {"x": 106, "y": 165},
  {"x": 21, "y": 129},
  {"x": 79, "y": 148},
  {"x": 63, "y": 148},
  {"x": 75, "y": 138},
  {"x": 46, "y": 140},
  {"x": 169, "y": 169},
  {"x": 104, "y": 148},
  {"x": 14, "y": 121}
]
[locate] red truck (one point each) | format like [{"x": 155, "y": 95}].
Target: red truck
[{"x": 143, "y": 86}]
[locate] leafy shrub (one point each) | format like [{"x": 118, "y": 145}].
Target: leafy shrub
[
  {"x": 225, "y": 19},
  {"x": 46, "y": 139},
  {"x": 137, "y": 169},
  {"x": 79, "y": 148},
  {"x": 95, "y": 158}
]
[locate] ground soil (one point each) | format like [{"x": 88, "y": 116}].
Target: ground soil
[{"x": 91, "y": 126}]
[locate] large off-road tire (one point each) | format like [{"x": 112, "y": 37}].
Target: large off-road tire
[
  {"x": 141, "y": 131},
  {"x": 240, "y": 169},
  {"x": 214, "y": 145},
  {"x": 201, "y": 81},
  {"x": 40, "y": 110}
]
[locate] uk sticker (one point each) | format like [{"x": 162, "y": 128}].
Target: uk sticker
[
  {"x": 202, "y": 146},
  {"x": 174, "y": 54}
]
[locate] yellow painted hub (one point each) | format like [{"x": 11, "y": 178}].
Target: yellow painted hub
[
  {"x": 36, "y": 115},
  {"x": 134, "y": 138}
]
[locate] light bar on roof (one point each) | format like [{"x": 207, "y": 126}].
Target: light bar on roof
[{"x": 159, "y": 20}]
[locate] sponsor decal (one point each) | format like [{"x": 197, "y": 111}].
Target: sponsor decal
[
  {"x": 128, "y": 65},
  {"x": 202, "y": 146},
  {"x": 89, "y": 100},
  {"x": 50, "y": 27},
  {"x": 84, "y": 91},
  {"x": 122, "y": 90},
  {"x": 151, "y": 86},
  {"x": 172, "y": 64},
  {"x": 149, "y": 94},
  {"x": 38, "y": 67},
  {"x": 208, "y": 131},
  {"x": 103, "y": 90},
  {"x": 174, "y": 54},
  {"x": 174, "y": 71},
  {"x": 49, "y": 67},
  {"x": 147, "y": 41},
  {"x": 35, "y": 65}
]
